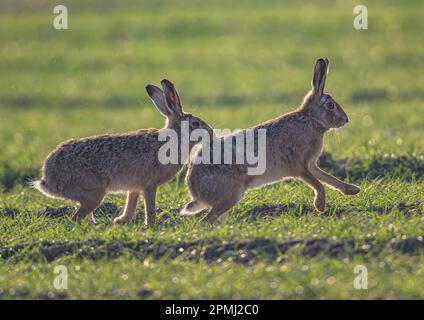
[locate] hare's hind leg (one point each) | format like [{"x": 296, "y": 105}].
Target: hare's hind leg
[
  {"x": 130, "y": 206},
  {"x": 88, "y": 203}
]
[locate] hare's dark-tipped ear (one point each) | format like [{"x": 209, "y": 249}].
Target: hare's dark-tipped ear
[
  {"x": 327, "y": 62},
  {"x": 158, "y": 98},
  {"x": 172, "y": 99},
  {"x": 320, "y": 75}
]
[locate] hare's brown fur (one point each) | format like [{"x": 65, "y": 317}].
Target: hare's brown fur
[
  {"x": 85, "y": 170},
  {"x": 294, "y": 143}
]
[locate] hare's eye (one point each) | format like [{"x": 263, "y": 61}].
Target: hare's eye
[
  {"x": 330, "y": 105},
  {"x": 195, "y": 123}
]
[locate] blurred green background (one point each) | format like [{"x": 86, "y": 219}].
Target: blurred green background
[{"x": 235, "y": 64}]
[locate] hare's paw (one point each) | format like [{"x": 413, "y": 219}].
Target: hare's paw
[
  {"x": 90, "y": 219},
  {"x": 121, "y": 220},
  {"x": 320, "y": 204},
  {"x": 351, "y": 189}
]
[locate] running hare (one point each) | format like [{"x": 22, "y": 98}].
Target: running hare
[
  {"x": 85, "y": 170},
  {"x": 293, "y": 145}
]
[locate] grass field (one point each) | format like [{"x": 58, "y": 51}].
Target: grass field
[{"x": 235, "y": 63}]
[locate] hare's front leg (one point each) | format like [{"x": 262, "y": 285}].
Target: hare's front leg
[
  {"x": 130, "y": 206},
  {"x": 318, "y": 188},
  {"x": 150, "y": 206},
  {"x": 345, "y": 188}
]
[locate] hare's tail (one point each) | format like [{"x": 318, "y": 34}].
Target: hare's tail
[
  {"x": 41, "y": 186},
  {"x": 192, "y": 208}
]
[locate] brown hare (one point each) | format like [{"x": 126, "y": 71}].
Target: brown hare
[
  {"x": 294, "y": 143},
  {"x": 85, "y": 170}
]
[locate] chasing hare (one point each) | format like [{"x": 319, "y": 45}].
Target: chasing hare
[
  {"x": 85, "y": 170},
  {"x": 294, "y": 143}
]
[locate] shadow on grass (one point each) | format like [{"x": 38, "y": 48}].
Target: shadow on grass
[
  {"x": 405, "y": 167},
  {"x": 272, "y": 211},
  {"x": 109, "y": 211},
  {"x": 209, "y": 250}
]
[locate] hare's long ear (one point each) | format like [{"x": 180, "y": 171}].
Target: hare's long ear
[
  {"x": 172, "y": 99},
  {"x": 320, "y": 75},
  {"x": 158, "y": 98}
]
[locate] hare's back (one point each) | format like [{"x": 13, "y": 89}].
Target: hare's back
[{"x": 104, "y": 153}]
